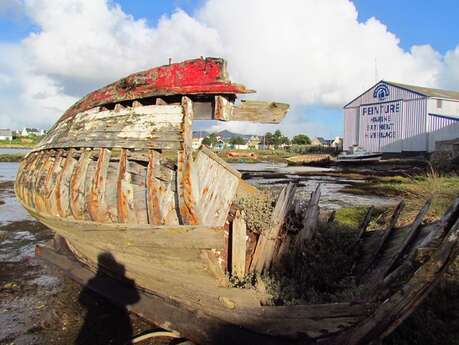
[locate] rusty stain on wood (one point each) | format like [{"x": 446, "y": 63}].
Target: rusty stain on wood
[
  {"x": 154, "y": 210},
  {"x": 97, "y": 207},
  {"x": 76, "y": 186},
  {"x": 187, "y": 206}
]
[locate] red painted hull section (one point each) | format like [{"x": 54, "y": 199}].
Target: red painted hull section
[{"x": 198, "y": 76}]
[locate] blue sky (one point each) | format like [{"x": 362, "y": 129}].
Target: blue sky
[
  {"x": 416, "y": 22},
  {"x": 317, "y": 75}
]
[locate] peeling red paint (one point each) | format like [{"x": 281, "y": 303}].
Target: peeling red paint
[{"x": 197, "y": 76}]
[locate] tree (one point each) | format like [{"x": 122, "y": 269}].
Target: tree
[
  {"x": 210, "y": 140},
  {"x": 279, "y": 139},
  {"x": 301, "y": 139},
  {"x": 268, "y": 140},
  {"x": 237, "y": 141},
  {"x": 206, "y": 141}
]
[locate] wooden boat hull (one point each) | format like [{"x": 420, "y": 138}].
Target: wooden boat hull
[{"x": 102, "y": 181}]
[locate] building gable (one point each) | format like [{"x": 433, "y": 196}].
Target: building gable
[{"x": 383, "y": 92}]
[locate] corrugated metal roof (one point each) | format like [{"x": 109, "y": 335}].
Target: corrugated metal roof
[{"x": 427, "y": 91}]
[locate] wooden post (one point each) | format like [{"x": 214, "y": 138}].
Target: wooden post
[
  {"x": 311, "y": 219},
  {"x": 187, "y": 206},
  {"x": 239, "y": 245},
  {"x": 268, "y": 240}
]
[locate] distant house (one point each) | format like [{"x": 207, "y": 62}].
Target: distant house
[
  {"x": 240, "y": 146},
  {"x": 337, "y": 143},
  {"x": 319, "y": 141},
  {"x": 27, "y": 132},
  {"x": 196, "y": 143},
  {"x": 220, "y": 145},
  {"x": 6, "y": 134},
  {"x": 253, "y": 142}
]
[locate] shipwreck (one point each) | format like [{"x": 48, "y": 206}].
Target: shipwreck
[{"x": 103, "y": 180}]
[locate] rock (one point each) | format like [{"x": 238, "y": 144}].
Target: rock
[{"x": 3, "y": 235}]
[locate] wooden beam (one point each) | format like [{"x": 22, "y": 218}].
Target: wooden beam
[
  {"x": 77, "y": 186},
  {"x": 153, "y": 194},
  {"x": 239, "y": 245},
  {"x": 386, "y": 233},
  {"x": 187, "y": 206},
  {"x": 255, "y": 111},
  {"x": 311, "y": 219},
  {"x": 413, "y": 231},
  {"x": 97, "y": 207},
  {"x": 63, "y": 185}
]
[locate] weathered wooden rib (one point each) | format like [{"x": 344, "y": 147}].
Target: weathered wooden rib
[
  {"x": 77, "y": 183},
  {"x": 186, "y": 201}
]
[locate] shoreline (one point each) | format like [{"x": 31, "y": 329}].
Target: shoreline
[{"x": 11, "y": 157}]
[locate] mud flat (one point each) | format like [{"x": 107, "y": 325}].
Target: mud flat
[{"x": 38, "y": 304}]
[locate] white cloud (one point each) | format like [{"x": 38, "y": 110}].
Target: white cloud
[{"x": 306, "y": 52}]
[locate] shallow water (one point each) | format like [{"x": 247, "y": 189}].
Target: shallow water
[
  {"x": 8, "y": 171},
  {"x": 12, "y": 151},
  {"x": 275, "y": 176}
]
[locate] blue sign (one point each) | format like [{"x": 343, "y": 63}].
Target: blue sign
[{"x": 381, "y": 92}]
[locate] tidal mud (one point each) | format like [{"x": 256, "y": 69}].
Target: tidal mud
[{"x": 38, "y": 304}]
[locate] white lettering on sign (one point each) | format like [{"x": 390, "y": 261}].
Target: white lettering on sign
[{"x": 380, "y": 125}]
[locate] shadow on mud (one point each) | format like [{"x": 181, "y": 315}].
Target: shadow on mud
[{"x": 96, "y": 323}]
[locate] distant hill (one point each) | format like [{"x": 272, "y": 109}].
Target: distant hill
[{"x": 225, "y": 134}]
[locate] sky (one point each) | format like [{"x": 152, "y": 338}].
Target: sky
[{"x": 315, "y": 55}]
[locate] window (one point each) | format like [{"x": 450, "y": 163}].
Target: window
[{"x": 439, "y": 103}]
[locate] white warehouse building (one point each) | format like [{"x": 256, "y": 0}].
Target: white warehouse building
[{"x": 394, "y": 118}]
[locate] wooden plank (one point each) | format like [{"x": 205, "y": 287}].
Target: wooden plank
[
  {"x": 153, "y": 194},
  {"x": 50, "y": 183},
  {"x": 77, "y": 186},
  {"x": 268, "y": 240},
  {"x": 413, "y": 231},
  {"x": 186, "y": 202},
  {"x": 387, "y": 232},
  {"x": 41, "y": 177},
  {"x": 31, "y": 179},
  {"x": 134, "y": 127},
  {"x": 97, "y": 206},
  {"x": 255, "y": 111},
  {"x": 390, "y": 314},
  {"x": 139, "y": 189},
  {"x": 365, "y": 222},
  {"x": 214, "y": 187},
  {"x": 126, "y": 211},
  {"x": 23, "y": 178},
  {"x": 191, "y": 323},
  {"x": 220, "y": 161},
  {"x": 63, "y": 185},
  {"x": 310, "y": 221},
  {"x": 111, "y": 193},
  {"x": 239, "y": 245}
]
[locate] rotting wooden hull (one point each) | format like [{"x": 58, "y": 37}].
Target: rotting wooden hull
[{"x": 101, "y": 181}]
